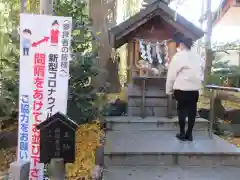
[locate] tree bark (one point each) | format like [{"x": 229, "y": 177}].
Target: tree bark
[
  {"x": 46, "y": 7},
  {"x": 209, "y": 57},
  {"x": 23, "y": 6}
]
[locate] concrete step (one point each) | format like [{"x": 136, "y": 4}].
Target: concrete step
[
  {"x": 161, "y": 148},
  {"x": 149, "y": 123},
  {"x": 171, "y": 173}
]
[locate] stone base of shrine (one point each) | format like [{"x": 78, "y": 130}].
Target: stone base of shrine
[{"x": 147, "y": 97}]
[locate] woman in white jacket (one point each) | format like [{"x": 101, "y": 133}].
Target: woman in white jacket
[{"x": 184, "y": 79}]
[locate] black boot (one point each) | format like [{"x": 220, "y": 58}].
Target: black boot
[
  {"x": 189, "y": 136},
  {"x": 180, "y": 136}
]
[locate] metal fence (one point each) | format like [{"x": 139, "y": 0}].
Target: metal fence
[{"x": 223, "y": 116}]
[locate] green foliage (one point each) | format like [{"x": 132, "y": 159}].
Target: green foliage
[
  {"x": 9, "y": 57},
  {"x": 223, "y": 46},
  {"x": 9, "y": 88},
  {"x": 221, "y": 70},
  {"x": 83, "y": 103},
  {"x": 219, "y": 63},
  {"x": 32, "y": 6}
]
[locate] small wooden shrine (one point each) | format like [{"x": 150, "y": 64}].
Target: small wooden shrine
[{"x": 150, "y": 49}]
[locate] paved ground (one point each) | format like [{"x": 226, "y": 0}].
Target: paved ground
[
  {"x": 172, "y": 173},
  {"x": 140, "y": 144},
  {"x": 164, "y": 142}
]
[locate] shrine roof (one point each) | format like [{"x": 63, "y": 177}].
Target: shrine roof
[
  {"x": 121, "y": 33},
  {"x": 58, "y": 117}
]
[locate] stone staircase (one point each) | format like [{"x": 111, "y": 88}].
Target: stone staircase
[{"x": 146, "y": 149}]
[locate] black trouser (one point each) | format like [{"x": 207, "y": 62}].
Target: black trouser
[
  {"x": 25, "y": 51},
  {"x": 186, "y": 107}
]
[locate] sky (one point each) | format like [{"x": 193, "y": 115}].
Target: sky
[{"x": 191, "y": 10}]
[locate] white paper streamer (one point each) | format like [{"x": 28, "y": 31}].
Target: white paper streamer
[
  {"x": 142, "y": 49},
  {"x": 149, "y": 55},
  {"x": 166, "y": 56},
  {"x": 158, "y": 53}
]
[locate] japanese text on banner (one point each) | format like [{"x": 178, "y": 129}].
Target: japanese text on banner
[
  {"x": 52, "y": 82},
  {"x": 65, "y": 47},
  {"x": 39, "y": 74},
  {"x": 24, "y": 127}
]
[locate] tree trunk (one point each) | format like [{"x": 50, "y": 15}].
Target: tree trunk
[
  {"x": 23, "y": 6},
  {"x": 209, "y": 54},
  {"x": 46, "y": 7}
]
